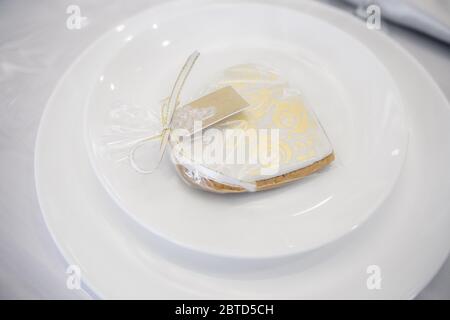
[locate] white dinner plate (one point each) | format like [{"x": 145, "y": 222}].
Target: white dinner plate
[
  {"x": 363, "y": 119},
  {"x": 407, "y": 238}
]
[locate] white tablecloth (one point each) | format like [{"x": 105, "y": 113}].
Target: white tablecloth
[{"x": 35, "y": 49}]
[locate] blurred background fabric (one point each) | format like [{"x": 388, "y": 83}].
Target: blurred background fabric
[
  {"x": 35, "y": 50},
  {"x": 430, "y": 17}
]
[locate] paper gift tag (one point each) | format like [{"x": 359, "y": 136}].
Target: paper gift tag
[{"x": 208, "y": 110}]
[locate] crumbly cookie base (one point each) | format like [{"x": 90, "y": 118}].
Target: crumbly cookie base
[{"x": 214, "y": 186}]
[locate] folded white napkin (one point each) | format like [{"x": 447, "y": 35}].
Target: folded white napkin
[{"x": 431, "y": 17}]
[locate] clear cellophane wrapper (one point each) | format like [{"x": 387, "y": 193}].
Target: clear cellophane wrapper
[{"x": 302, "y": 144}]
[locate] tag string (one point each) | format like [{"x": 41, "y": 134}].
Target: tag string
[{"x": 167, "y": 112}]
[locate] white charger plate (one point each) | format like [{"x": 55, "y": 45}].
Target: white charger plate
[
  {"x": 362, "y": 115},
  {"x": 407, "y": 238}
]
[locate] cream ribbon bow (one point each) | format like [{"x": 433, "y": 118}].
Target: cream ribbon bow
[{"x": 167, "y": 111}]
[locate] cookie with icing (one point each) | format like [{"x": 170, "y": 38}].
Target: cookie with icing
[{"x": 277, "y": 139}]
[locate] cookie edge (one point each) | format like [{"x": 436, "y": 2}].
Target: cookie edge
[{"x": 261, "y": 185}]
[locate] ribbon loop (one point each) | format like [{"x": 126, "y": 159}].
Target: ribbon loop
[{"x": 168, "y": 108}]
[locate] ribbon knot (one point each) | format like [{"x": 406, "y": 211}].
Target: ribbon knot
[{"x": 168, "y": 108}]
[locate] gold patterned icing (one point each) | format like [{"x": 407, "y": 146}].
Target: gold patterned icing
[{"x": 273, "y": 105}]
